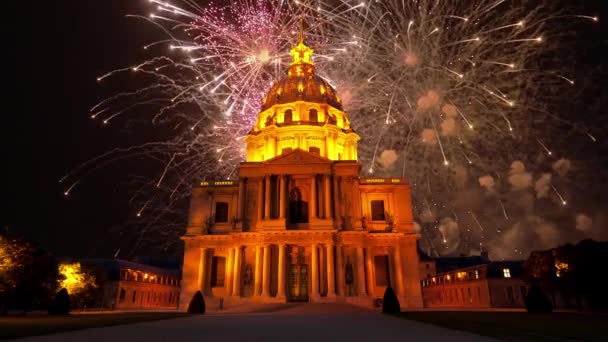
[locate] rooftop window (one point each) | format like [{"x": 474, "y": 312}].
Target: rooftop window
[{"x": 506, "y": 272}]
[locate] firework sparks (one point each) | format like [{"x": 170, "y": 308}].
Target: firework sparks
[{"x": 464, "y": 77}]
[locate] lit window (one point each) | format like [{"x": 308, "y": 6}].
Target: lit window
[
  {"x": 476, "y": 274},
  {"x": 506, "y": 272}
]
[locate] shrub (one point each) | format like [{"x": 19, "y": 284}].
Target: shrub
[
  {"x": 390, "y": 303},
  {"x": 197, "y": 304},
  {"x": 537, "y": 301},
  {"x": 61, "y": 304}
]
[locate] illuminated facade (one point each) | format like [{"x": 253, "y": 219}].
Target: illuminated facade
[
  {"x": 497, "y": 284},
  {"x": 299, "y": 224},
  {"x": 130, "y": 285}
]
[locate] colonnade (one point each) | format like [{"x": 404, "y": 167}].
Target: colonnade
[
  {"x": 335, "y": 271},
  {"x": 319, "y": 204}
]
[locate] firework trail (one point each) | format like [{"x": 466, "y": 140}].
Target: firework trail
[{"x": 439, "y": 91}]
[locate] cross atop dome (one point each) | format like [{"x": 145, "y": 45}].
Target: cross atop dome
[{"x": 301, "y": 53}]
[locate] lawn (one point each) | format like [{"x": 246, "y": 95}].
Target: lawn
[
  {"x": 14, "y": 327},
  {"x": 520, "y": 326}
]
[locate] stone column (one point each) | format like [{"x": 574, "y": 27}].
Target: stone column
[
  {"x": 369, "y": 271},
  {"x": 360, "y": 272},
  {"x": 236, "y": 278},
  {"x": 267, "y": 199},
  {"x": 241, "y": 199},
  {"x": 257, "y": 285},
  {"x": 281, "y": 280},
  {"x": 229, "y": 268},
  {"x": 340, "y": 271},
  {"x": 266, "y": 272},
  {"x": 202, "y": 271},
  {"x": 273, "y": 147},
  {"x": 337, "y": 212},
  {"x": 314, "y": 260},
  {"x": 281, "y": 196},
  {"x": 312, "y": 205},
  {"x": 398, "y": 269},
  {"x": 327, "y": 190},
  {"x": 260, "y": 200},
  {"x": 331, "y": 287}
]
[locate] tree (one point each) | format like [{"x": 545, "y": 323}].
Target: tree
[
  {"x": 390, "y": 302},
  {"x": 12, "y": 255},
  {"x": 537, "y": 301},
  {"x": 80, "y": 285},
  {"x": 61, "y": 304},
  {"x": 571, "y": 271},
  {"x": 28, "y": 279},
  {"x": 197, "y": 304}
]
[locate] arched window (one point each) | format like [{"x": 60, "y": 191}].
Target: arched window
[
  {"x": 312, "y": 115},
  {"x": 288, "y": 116}
]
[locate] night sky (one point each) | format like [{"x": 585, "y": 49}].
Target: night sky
[{"x": 57, "y": 51}]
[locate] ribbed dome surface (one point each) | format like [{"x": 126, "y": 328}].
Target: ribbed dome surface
[{"x": 301, "y": 84}]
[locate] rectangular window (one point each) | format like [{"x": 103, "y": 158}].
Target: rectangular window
[
  {"x": 377, "y": 210},
  {"x": 123, "y": 294},
  {"x": 218, "y": 265},
  {"x": 476, "y": 274},
  {"x": 524, "y": 292},
  {"x": 470, "y": 295},
  {"x": 134, "y": 295},
  {"x": 506, "y": 272},
  {"x": 381, "y": 268},
  {"x": 221, "y": 212}
]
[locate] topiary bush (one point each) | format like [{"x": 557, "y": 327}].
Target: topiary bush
[
  {"x": 390, "y": 303},
  {"x": 197, "y": 304},
  {"x": 61, "y": 303},
  {"x": 537, "y": 301}
]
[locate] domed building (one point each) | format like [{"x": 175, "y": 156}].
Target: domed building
[{"x": 300, "y": 224}]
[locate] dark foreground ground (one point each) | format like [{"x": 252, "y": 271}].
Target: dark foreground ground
[
  {"x": 14, "y": 327},
  {"x": 520, "y": 326},
  {"x": 287, "y": 322}
]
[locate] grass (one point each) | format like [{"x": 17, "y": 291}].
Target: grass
[
  {"x": 519, "y": 326},
  {"x": 15, "y": 327}
]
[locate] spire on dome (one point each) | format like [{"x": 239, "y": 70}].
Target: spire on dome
[{"x": 301, "y": 53}]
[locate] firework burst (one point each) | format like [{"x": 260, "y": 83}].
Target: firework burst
[{"x": 440, "y": 93}]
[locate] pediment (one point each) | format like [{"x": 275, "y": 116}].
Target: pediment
[{"x": 297, "y": 157}]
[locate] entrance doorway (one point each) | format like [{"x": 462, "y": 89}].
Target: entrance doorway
[
  {"x": 298, "y": 283},
  {"x": 298, "y": 209}
]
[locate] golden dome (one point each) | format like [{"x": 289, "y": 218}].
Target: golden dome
[
  {"x": 301, "y": 83},
  {"x": 301, "y": 111}
]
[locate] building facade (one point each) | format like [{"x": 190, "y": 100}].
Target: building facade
[
  {"x": 125, "y": 285},
  {"x": 486, "y": 285},
  {"x": 299, "y": 224}
]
